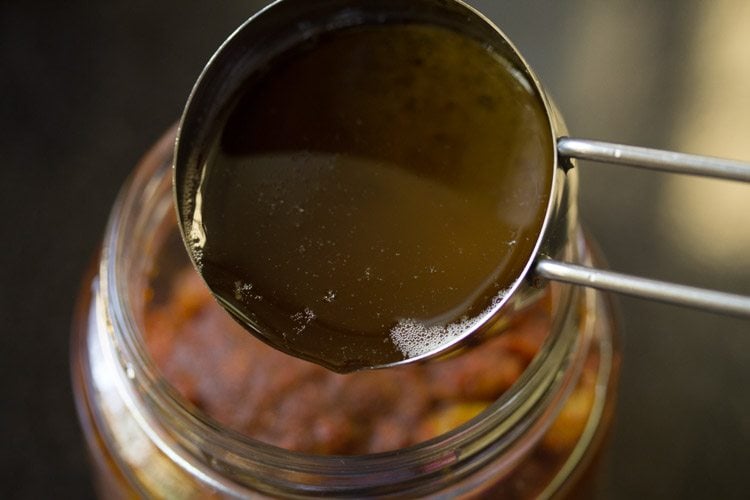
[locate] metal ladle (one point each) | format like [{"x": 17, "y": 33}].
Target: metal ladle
[{"x": 288, "y": 22}]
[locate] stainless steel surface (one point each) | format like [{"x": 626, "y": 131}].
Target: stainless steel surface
[
  {"x": 645, "y": 288},
  {"x": 286, "y": 22},
  {"x": 653, "y": 159},
  {"x": 279, "y": 25}
]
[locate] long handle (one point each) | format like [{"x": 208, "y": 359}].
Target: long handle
[
  {"x": 653, "y": 159},
  {"x": 672, "y": 293}
]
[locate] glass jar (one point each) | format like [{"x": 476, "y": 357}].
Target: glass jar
[{"x": 540, "y": 437}]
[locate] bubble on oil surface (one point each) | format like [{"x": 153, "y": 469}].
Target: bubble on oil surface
[
  {"x": 197, "y": 256},
  {"x": 413, "y": 338},
  {"x": 302, "y": 319},
  {"x": 244, "y": 291}
]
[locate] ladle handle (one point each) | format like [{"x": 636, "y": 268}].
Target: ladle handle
[
  {"x": 653, "y": 159},
  {"x": 672, "y": 293}
]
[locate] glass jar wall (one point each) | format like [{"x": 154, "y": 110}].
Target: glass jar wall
[{"x": 176, "y": 401}]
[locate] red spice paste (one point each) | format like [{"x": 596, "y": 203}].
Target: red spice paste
[{"x": 270, "y": 396}]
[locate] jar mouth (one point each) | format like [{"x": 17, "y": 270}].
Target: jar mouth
[{"x": 141, "y": 214}]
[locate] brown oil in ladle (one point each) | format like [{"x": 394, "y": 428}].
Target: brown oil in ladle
[{"x": 372, "y": 193}]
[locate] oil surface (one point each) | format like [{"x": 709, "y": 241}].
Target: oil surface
[{"x": 372, "y": 193}]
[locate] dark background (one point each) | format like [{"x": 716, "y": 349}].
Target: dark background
[{"x": 85, "y": 88}]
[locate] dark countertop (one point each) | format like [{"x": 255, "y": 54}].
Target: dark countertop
[{"x": 87, "y": 87}]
